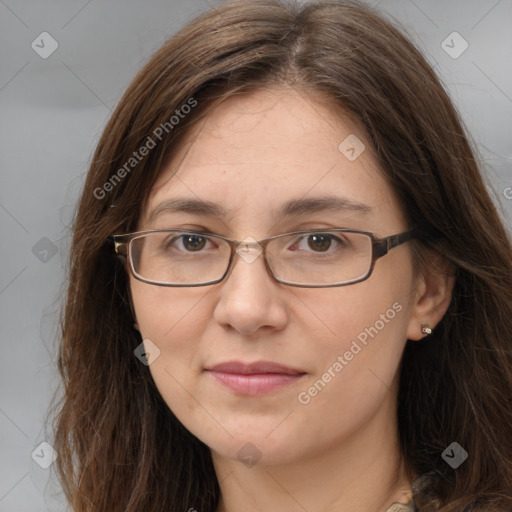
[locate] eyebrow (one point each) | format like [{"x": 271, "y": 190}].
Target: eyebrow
[{"x": 294, "y": 207}]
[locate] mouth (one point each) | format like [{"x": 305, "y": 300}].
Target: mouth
[{"x": 254, "y": 379}]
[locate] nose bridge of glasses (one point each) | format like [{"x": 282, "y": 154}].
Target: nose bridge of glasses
[{"x": 249, "y": 249}]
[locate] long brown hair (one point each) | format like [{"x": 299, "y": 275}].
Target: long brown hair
[{"x": 120, "y": 446}]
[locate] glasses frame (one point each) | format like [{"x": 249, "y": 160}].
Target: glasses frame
[{"x": 380, "y": 247}]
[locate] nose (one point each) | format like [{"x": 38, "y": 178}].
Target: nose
[{"x": 250, "y": 298}]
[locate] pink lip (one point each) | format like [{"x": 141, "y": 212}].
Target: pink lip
[{"x": 255, "y": 378}]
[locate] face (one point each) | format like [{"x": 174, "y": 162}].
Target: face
[{"x": 340, "y": 347}]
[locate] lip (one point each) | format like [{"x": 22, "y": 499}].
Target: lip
[{"x": 258, "y": 378}]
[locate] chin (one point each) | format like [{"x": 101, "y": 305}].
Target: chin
[{"x": 253, "y": 442}]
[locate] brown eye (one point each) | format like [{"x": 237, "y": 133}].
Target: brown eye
[
  {"x": 193, "y": 243},
  {"x": 319, "y": 242}
]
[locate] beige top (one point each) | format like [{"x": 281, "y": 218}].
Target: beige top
[
  {"x": 422, "y": 491},
  {"x": 400, "y": 507}
]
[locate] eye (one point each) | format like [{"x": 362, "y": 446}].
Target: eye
[
  {"x": 189, "y": 242},
  {"x": 318, "y": 242}
]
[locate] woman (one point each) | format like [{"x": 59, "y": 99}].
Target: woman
[{"x": 289, "y": 287}]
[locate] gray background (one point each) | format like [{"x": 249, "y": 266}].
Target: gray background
[{"x": 52, "y": 114}]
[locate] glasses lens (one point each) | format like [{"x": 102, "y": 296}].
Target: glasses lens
[
  {"x": 320, "y": 257},
  {"x": 179, "y": 257}
]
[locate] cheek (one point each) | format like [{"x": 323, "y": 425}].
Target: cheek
[
  {"x": 170, "y": 317},
  {"x": 356, "y": 367},
  {"x": 174, "y": 321},
  {"x": 363, "y": 334}
]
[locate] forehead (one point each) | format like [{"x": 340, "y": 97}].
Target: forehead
[{"x": 255, "y": 151}]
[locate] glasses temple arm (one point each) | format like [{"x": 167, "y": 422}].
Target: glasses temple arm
[{"x": 384, "y": 245}]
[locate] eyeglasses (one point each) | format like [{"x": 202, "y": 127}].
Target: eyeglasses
[{"x": 310, "y": 259}]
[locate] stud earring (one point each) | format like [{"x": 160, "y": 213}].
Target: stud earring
[{"x": 426, "y": 330}]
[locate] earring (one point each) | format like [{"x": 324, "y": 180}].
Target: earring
[{"x": 426, "y": 330}]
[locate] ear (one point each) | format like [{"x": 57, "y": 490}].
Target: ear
[{"x": 433, "y": 295}]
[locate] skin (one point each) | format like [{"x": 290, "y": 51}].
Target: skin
[{"x": 340, "y": 451}]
